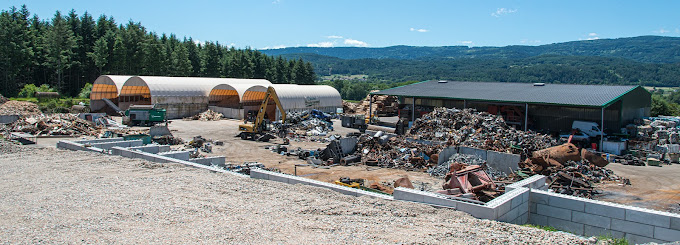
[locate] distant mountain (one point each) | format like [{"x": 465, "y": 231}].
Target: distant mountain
[{"x": 645, "y": 49}]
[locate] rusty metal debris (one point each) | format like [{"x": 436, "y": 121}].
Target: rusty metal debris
[
  {"x": 469, "y": 181},
  {"x": 481, "y": 130}
]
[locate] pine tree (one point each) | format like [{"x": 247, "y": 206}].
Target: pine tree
[
  {"x": 60, "y": 42},
  {"x": 181, "y": 65},
  {"x": 100, "y": 54},
  {"x": 15, "y": 49}
]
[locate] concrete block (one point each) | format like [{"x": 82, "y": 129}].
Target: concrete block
[
  {"x": 538, "y": 197},
  {"x": 278, "y": 178},
  {"x": 439, "y": 201},
  {"x": 666, "y": 234},
  {"x": 503, "y": 162},
  {"x": 604, "y": 209},
  {"x": 632, "y": 227},
  {"x": 537, "y": 219},
  {"x": 525, "y": 196},
  {"x": 635, "y": 239},
  {"x": 524, "y": 218},
  {"x": 649, "y": 217},
  {"x": 181, "y": 155},
  {"x": 591, "y": 219},
  {"x": 477, "y": 211},
  {"x": 532, "y": 207},
  {"x": 563, "y": 201},
  {"x": 554, "y": 212},
  {"x": 565, "y": 225},
  {"x": 598, "y": 231},
  {"x": 473, "y": 151},
  {"x": 517, "y": 201},
  {"x": 503, "y": 208},
  {"x": 675, "y": 223},
  {"x": 510, "y": 215},
  {"x": 407, "y": 195},
  {"x": 258, "y": 174},
  {"x": 102, "y": 140}
]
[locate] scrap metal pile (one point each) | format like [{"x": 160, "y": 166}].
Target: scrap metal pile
[
  {"x": 655, "y": 140},
  {"x": 309, "y": 123},
  {"x": 53, "y": 124},
  {"x": 208, "y": 115},
  {"x": 481, "y": 130},
  {"x": 14, "y": 107},
  {"x": 397, "y": 152},
  {"x": 570, "y": 170},
  {"x": 382, "y": 105}
]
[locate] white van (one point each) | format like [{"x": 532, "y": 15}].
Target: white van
[{"x": 589, "y": 128}]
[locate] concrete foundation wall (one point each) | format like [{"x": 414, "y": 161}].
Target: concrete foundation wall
[
  {"x": 209, "y": 161},
  {"x": 181, "y": 155},
  {"x": 151, "y": 148},
  {"x": 595, "y": 218},
  {"x": 103, "y": 140},
  {"x": 290, "y": 179},
  {"x": 503, "y": 162},
  {"x": 68, "y": 145},
  {"x": 126, "y": 143}
]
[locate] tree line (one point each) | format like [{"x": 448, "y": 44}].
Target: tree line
[{"x": 68, "y": 51}]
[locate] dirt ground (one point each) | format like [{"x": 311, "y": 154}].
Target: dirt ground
[
  {"x": 238, "y": 151},
  {"x": 651, "y": 187}
]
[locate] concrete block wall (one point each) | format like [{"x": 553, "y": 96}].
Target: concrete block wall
[
  {"x": 596, "y": 218},
  {"x": 68, "y": 145},
  {"x": 182, "y": 155},
  {"x": 290, "y": 179},
  {"x": 209, "y": 161},
  {"x": 533, "y": 182},
  {"x": 102, "y": 140},
  {"x": 151, "y": 148},
  {"x": 125, "y": 143},
  {"x": 503, "y": 162}
]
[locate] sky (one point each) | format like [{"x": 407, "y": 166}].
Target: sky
[{"x": 268, "y": 24}]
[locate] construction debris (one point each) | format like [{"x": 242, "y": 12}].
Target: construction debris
[
  {"x": 208, "y": 115},
  {"x": 53, "y": 124},
  {"x": 481, "y": 130},
  {"x": 14, "y": 107},
  {"x": 383, "y": 105}
]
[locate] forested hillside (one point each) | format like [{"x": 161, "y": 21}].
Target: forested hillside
[
  {"x": 68, "y": 51},
  {"x": 646, "y": 49}
]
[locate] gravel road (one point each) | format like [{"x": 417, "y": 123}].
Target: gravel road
[{"x": 58, "y": 196}]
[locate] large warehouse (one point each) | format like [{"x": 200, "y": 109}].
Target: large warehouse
[
  {"x": 548, "y": 108},
  {"x": 188, "y": 96}
]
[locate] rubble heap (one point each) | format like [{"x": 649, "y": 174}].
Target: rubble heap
[
  {"x": 14, "y": 107},
  {"x": 305, "y": 123},
  {"x": 208, "y": 115},
  {"x": 53, "y": 124},
  {"x": 397, "y": 152},
  {"x": 570, "y": 170},
  {"x": 382, "y": 105},
  {"x": 482, "y": 130}
]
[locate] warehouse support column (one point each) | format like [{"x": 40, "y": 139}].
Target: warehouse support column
[
  {"x": 526, "y": 116},
  {"x": 464, "y": 104},
  {"x": 601, "y": 129},
  {"x": 413, "y": 110}
]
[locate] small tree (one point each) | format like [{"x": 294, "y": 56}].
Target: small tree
[{"x": 85, "y": 92}]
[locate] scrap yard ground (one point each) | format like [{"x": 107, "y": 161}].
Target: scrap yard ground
[{"x": 61, "y": 196}]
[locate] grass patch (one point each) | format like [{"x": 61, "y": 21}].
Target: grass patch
[
  {"x": 546, "y": 228},
  {"x": 612, "y": 240},
  {"x": 353, "y": 101}
]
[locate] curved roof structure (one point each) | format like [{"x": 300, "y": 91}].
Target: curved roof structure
[
  {"x": 295, "y": 97},
  {"x": 231, "y": 95},
  {"x": 107, "y": 86},
  {"x": 180, "y": 86}
]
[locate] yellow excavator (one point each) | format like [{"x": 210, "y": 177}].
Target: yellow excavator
[{"x": 258, "y": 130}]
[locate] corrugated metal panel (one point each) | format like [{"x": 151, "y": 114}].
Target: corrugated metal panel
[
  {"x": 561, "y": 94},
  {"x": 117, "y": 80},
  {"x": 301, "y": 97},
  {"x": 184, "y": 86}
]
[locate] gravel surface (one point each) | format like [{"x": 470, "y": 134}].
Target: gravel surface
[{"x": 58, "y": 196}]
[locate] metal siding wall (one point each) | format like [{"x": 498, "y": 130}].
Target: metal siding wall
[{"x": 635, "y": 105}]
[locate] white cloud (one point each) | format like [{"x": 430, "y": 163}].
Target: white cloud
[
  {"x": 592, "y": 34},
  {"x": 503, "y": 11},
  {"x": 275, "y": 47},
  {"x": 355, "y": 43},
  {"x": 662, "y": 31},
  {"x": 276, "y": 1},
  {"x": 418, "y": 30},
  {"x": 321, "y": 45},
  {"x": 527, "y": 41},
  {"x": 199, "y": 42},
  {"x": 466, "y": 42},
  {"x": 334, "y": 37}
]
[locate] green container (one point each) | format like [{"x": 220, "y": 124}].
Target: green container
[
  {"x": 146, "y": 139},
  {"x": 653, "y": 162}
]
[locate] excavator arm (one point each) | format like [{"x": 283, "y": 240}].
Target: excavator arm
[{"x": 257, "y": 126}]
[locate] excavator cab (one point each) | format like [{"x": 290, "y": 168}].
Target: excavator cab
[{"x": 258, "y": 129}]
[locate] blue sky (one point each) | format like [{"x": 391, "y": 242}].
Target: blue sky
[{"x": 376, "y": 23}]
